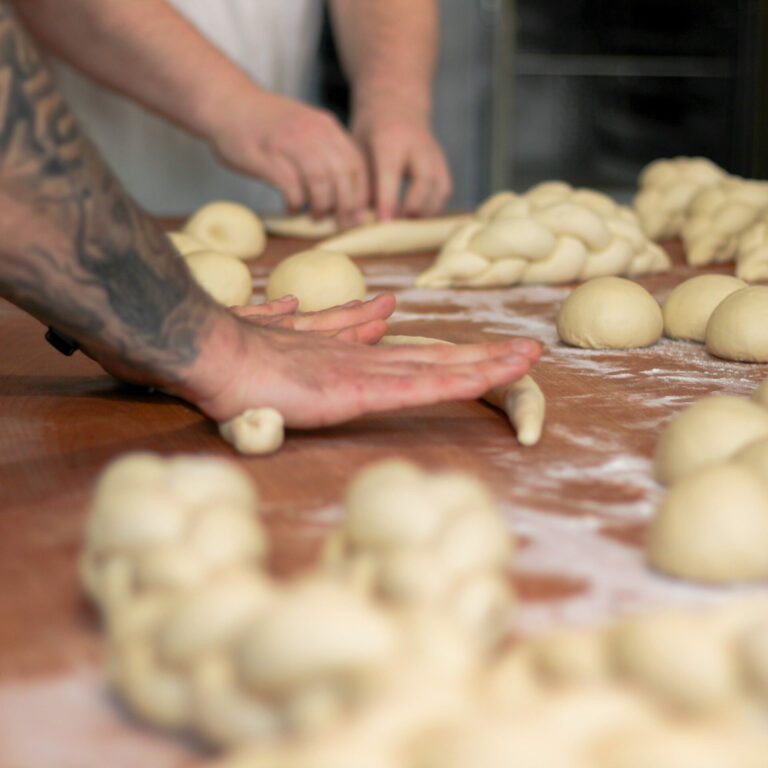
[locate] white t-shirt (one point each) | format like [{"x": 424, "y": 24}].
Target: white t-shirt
[{"x": 168, "y": 171}]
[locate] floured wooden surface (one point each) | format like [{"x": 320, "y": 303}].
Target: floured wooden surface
[{"x": 578, "y": 501}]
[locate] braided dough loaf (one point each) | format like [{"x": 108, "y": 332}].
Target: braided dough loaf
[
  {"x": 551, "y": 234},
  {"x": 427, "y": 541},
  {"x": 667, "y": 187},
  {"x": 522, "y": 401},
  {"x": 717, "y": 217},
  {"x": 752, "y": 253}
]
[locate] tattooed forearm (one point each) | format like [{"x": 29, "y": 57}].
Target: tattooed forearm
[{"x": 75, "y": 250}]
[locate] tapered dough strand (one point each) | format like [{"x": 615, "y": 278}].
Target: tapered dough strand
[
  {"x": 522, "y": 401},
  {"x": 304, "y": 226},
  {"x": 396, "y": 236}
]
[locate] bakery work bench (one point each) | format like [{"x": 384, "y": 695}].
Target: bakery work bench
[{"x": 578, "y": 501}]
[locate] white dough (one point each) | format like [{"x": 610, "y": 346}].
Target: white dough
[
  {"x": 305, "y": 226},
  {"x": 713, "y": 526},
  {"x": 522, "y": 401},
  {"x": 228, "y": 227},
  {"x": 610, "y": 313},
  {"x": 688, "y": 308},
  {"x": 755, "y": 456},
  {"x": 738, "y": 328},
  {"x": 709, "y": 431},
  {"x": 318, "y": 279},
  {"x": 185, "y": 244},
  {"x": 760, "y": 395},
  {"x": 222, "y": 276},
  {"x": 255, "y": 431},
  {"x": 396, "y": 236}
]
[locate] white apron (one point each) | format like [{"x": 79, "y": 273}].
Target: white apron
[{"x": 168, "y": 171}]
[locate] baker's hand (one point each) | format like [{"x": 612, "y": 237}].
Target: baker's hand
[
  {"x": 304, "y": 152},
  {"x": 398, "y": 144},
  {"x": 360, "y": 321}
]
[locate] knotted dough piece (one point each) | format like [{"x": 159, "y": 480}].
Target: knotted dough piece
[
  {"x": 434, "y": 542},
  {"x": 228, "y": 227},
  {"x": 522, "y": 401},
  {"x": 718, "y": 216},
  {"x": 551, "y": 234},
  {"x": 255, "y": 431},
  {"x": 666, "y": 189}
]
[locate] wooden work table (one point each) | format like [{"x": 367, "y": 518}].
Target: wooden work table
[{"x": 578, "y": 501}]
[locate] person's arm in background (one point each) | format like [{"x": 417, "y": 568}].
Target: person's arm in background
[
  {"x": 147, "y": 51},
  {"x": 388, "y": 49},
  {"x": 77, "y": 253}
]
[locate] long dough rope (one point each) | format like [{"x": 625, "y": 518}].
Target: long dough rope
[
  {"x": 551, "y": 234},
  {"x": 396, "y": 236},
  {"x": 522, "y": 401}
]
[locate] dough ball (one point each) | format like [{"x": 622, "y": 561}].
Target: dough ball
[
  {"x": 760, "y": 395},
  {"x": 318, "y": 279},
  {"x": 228, "y": 227},
  {"x": 688, "y": 308},
  {"x": 223, "y": 276},
  {"x": 610, "y": 313},
  {"x": 738, "y": 328},
  {"x": 186, "y": 244},
  {"x": 255, "y": 431},
  {"x": 713, "y": 526},
  {"x": 709, "y": 431},
  {"x": 755, "y": 456}
]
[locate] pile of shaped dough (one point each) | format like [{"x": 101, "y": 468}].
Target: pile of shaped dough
[
  {"x": 666, "y": 189},
  {"x": 752, "y": 253},
  {"x": 227, "y": 227},
  {"x": 522, "y": 401},
  {"x": 551, "y": 234},
  {"x": 670, "y": 689},
  {"x": 712, "y": 525},
  {"x": 200, "y": 638},
  {"x": 738, "y": 326},
  {"x": 718, "y": 216},
  {"x": 427, "y": 541},
  {"x": 610, "y": 313},
  {"x": 318, "y": 278}
]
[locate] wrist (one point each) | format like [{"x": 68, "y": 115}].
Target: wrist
[{"x": 382, "y": 103}]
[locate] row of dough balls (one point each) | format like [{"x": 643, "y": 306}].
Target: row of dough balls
[
  {"x": 412, "y": 595},
  {"x": 720, "y": 310},
  {"x": 672, "y": 689},
  {"x": 718, "y": 216},
  {"x": 712, "y": 524},
  {"x": 551, "y": 234}
]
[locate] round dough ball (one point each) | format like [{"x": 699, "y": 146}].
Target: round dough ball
[
  {"x": 709, "y": 431},
  {"x": 688, "y": 308},
  {"x": 185, "y": 244},
  {"x": 222, "y": 276},
  {"x": 738, "y": 328},
  {"x": 610, "y": 313},
  {"x": 713, "y": 526},
  {"x": 755, "y": 456},
  {"x": 228, "y": 227},
  {"x": 318, "y": 279},
  {"x": 760, "y": 395},
  {"x": 255, "y": 431}
]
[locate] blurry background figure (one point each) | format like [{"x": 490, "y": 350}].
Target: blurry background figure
[{"x": 166, "y": 169}]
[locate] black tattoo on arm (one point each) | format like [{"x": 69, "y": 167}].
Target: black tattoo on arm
[{"x": 75, "y": 251}]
